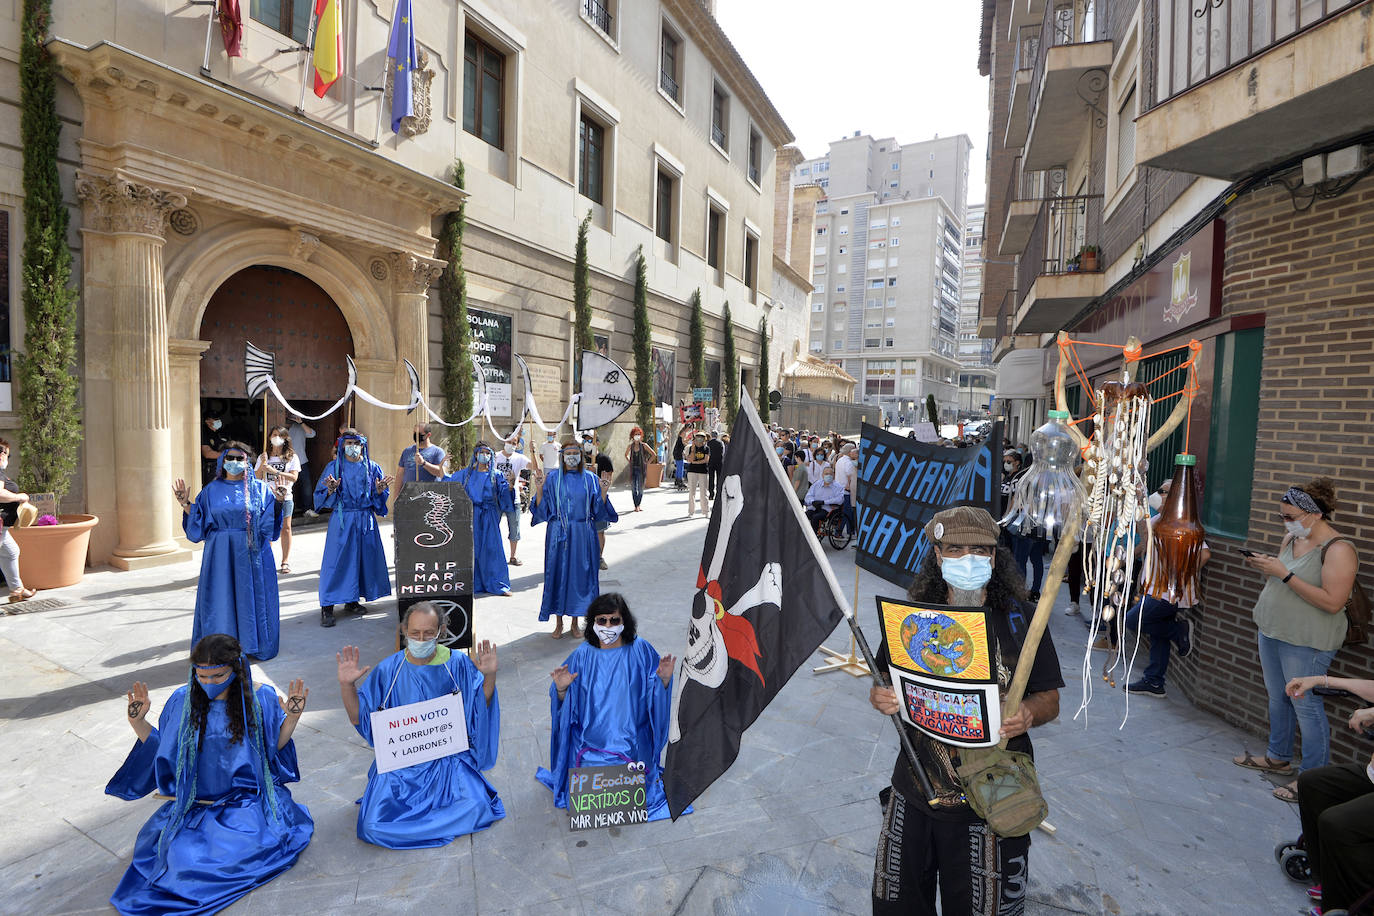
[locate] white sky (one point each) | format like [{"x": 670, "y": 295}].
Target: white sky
[{"x": 889, "y": 68}]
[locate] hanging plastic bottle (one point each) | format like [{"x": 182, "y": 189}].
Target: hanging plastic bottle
[
  {"x": 1048, "y": 493},
  {"x": 1177, "y": 536}
]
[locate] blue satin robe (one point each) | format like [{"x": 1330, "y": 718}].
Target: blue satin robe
[
  {"x": 616, "y": 708},
  {"x": 237, "y": 594},
  {"x": 571, "y": 503},
  {"x": 431, "y": 803},
  {"x": 491, "y": 496},
  {"x": 222, "y": 850},
  {"x": 354, "y": 564}
]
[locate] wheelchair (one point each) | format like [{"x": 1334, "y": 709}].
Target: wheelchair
[{"x": 833, "y": 529}]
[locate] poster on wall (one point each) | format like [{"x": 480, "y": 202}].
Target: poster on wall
[
  {"x": 665, "y": 372},
  {"x": 492, "y": 336}
]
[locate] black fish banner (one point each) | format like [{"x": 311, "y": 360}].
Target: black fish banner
[
  {"x": 765, "y": 599},
  {"x": 903, "y": 482},
  {"x": 433, "y": 530}
]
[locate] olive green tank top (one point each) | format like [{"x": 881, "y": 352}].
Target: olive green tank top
[{"x": 1280, "y": 613}]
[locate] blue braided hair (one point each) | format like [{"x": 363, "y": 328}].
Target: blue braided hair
[
  {"x": 188, "y": 745},
  {"x": 259, "y": 739},
  {"x": 340, "y": 462}
]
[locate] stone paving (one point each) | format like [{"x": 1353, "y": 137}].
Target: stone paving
[{"x": 1152, "y": 817}]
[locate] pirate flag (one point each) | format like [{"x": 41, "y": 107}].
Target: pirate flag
[{"x": 765, "y": 599}]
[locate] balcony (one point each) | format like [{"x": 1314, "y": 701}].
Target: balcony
[
  {"x": 1026, "y": 191},
  {"x": 1025, "y": 12},
  {"x": 1018, "y": 101},
  {"x": 1253, "y": 83},
  {"x": 1067, "y": 84},
  {"x": 598, "y": 15},
  {"x": 1051, "y": 272}
]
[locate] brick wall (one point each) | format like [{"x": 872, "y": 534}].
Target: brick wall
[{"x": 1311, "y": 275}]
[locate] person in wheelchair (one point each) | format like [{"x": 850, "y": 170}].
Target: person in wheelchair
[
  {"x": 1336, "y": 803},
  {"x": 823, "y": 497}
]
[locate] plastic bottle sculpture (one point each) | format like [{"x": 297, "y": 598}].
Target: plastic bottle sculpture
[
  {"x": 1178, "y": 536},
  {"x": 1049, "y": 492}
]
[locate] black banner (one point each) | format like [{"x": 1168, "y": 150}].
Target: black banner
[
  {"x": 606, "y": 796},
  {"x": 903, "y": 482},
  {"x": 433, "y": 530}
]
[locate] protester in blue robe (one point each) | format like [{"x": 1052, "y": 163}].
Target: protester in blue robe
[
  {"x": 354, "y": 565},
  {"x": 572, "y": 500},
  {"x": 491, "y": 497},
  {"x": 610, "y": 702},
  {"x": 435, "y": 802},
  {"x": 223, "y": 751},
  {"x": 237, "y": 516}
]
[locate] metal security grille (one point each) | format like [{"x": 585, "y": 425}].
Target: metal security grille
[{"x": 1162, "y": 457}]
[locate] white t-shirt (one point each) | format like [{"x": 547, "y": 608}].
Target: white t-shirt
[
  {"x": 548, "y": 455},
  {"x": 277, "y": 465},
  {"x": 298, "y": 436},
  {"x": 844, "y": 473},
  {"x": 511, "y": 465}
]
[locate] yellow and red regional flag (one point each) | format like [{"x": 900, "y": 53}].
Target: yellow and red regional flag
[{"x": 328, "y": 54}]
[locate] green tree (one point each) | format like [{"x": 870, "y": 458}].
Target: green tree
[
  {"x": 457, "y": 369},
  {"x": 763, "y": 370},
  {"x": 582, "y": 290},
  {"x": 50, "y": 437},
  {"x": 696, "y": 347},
  {"x": 931, "y": 411},
  {"x": 730, "y": 371},
  {"x": 644, "y": 367}
]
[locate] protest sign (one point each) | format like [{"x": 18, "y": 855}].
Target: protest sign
[
  {"x": 491, "y": 349},
  {"x": 419, "y": 732},
  {"x": 941, "y": 663},
  {"x": 433, "y": 533},
  {"x": 703, "y": 395},
  {"x": 606, "y": 796}
]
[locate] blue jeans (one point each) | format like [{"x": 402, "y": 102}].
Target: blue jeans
[
  {"x": 851, "y": 520},
  {"x": 513, "y": 524},
  {"x": 1158, "y": 620},
  {"x": 1281, "y": 662},
  {"x": 1024, "y": 548},
  {"x": 636, "y": 483}
]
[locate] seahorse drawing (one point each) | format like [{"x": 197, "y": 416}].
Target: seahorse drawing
[{"x": 436, "y": 518}]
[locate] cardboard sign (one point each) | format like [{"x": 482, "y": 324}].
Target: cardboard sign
[
  {"x": 606, "y": 796},
  {"x": 703, "y": 395},
  {"x": 942, "y": 669},
  {"x": 433, "y": 532},
  {"x": 419, "y": 732},
  {"x": 45, "y": 503}
]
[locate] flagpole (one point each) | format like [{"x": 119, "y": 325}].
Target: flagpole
[
  {"x": 847, "y": 662},
  {"x": 309, "y": 56},
  {"x": 381, "y": 99},
  {"x": 209, "y": 30}
]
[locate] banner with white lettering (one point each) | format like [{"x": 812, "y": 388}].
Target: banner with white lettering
[
  {"x": 492, "y": 336},
  {"x": 903, "y": 482},
  {"x": 433, "y": 531},
  {"x": 419, "y": 732}
]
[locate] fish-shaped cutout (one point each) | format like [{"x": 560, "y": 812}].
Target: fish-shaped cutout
[
  {"x": 259, "y": 368},
  {"x": 606, "y": 391}
]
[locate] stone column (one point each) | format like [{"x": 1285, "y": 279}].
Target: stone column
[
  {"x": 412, "y": 275},
  {"x": 132, "y": 218}
]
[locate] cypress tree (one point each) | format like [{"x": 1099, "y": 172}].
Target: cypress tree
[
  {"x": 931, "y": 411},
  {"x": 697, "y": 342},
  {"x": 582, "y": 291},
  {"x": 457, "y": 369},
  {"x": 50, "y": 437},
  {"x": 763, "y": 370},
  {"x": 644, "y": 369},
  {"x": 730, "y": 371}
]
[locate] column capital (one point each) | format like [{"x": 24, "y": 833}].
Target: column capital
[
  {"x": 116, "y": 203},
  {"x": 414, "y": 273}
]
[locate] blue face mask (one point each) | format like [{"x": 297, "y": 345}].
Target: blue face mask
[
  {"x": 235, "y": 467},
  {"x": 214, "y": 690},
  {"x": 422, "y": 648},
  {"x": 484, "y": 457},
  {"x": 968, "y": 572},
  {"x": 353, "y": 451}
]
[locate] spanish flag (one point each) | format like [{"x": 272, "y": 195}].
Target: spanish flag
[{"x": 328, "y": 52}]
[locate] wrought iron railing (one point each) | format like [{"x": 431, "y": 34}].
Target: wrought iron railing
[
  {"x": 598, "y": 14},
  {"x": 1006, "y": 312},
  {"x": 1066, "y": 238},
  {"x": 718, "y": 135},
  {"x": 668, "y": 84},
  {"x": 1066, "y": 22},
  {"x": 1198, "y": 39}
]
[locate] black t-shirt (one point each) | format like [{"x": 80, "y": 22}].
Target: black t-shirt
[
  {"x": 678, "y": 446},
  {"x": 603, "y": 464},
  {"x": 716, "y": 449},
  {"x": 215, "y": 439},
  {"x": 698, "y": 458},
  {"x": 9, "y": 512},
  {"x": 1045, "y": 675}
]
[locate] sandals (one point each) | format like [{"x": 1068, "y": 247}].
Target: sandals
[
  {"x": 285, "y": 569},
  {"x": 22, "y": 594},
  {"x": 1287, "y": 792},
  {"x": 1264, "y": 765}
]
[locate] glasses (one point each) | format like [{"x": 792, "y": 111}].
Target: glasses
[
  {"x": 1284, "y": 516},
  {"x": 960, "y": 550},
  {"x": 231, "y": 457},
  {"x": 607, "y": 621}
]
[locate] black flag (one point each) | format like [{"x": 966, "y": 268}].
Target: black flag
[{"x": 765, "y": 599}]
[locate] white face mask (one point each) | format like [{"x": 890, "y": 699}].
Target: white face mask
[
  {"x": 278, "y": 441},
  {"x": 608, "y": 635},
  {"x": 639, "y": 438},
  {"x": 353, "y": 452},
  {"x": 571, "y": 461},
  {"x": 1156, "y": 501},
  {"x": 1296, "y": 529},
  {"x": 215, "y": 424},
  {"x": 507, "y": 448}
]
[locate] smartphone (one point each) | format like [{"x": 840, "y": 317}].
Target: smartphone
[{"x": 1247, "y": 552}]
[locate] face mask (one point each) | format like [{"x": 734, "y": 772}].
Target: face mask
[
  {"x": 587, "y": 447},
  {"x": 1007, "y": 466},
  {"x": 214, "y": 690},
  {"x": 507, "y": 448},
  {"x": 779, "y": 450},
  {"x": 828, "y": 478},
  {"x": 1155, "y": 501},
  {"x": 820, "y": 456},
  {"x": 215, "y": 424},
  {"x": 278, "y": 441},
  {"x": 235, "y": 467},
  {"x": 639, "y": 438},
  {"x": 421, "y": 648},
  {"x": 484, "y": 457},
  {"x": 968, "y": 572},
  {"x": 571, "y": 461},
  {"x": 353, "y": 451},
  {"x": 1296, "y": 529},
  {"x": 608, "y": 635}
]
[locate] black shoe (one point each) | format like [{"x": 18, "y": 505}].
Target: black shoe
[
  {"x": 1184, "y": 641},
  {"x": 327, "y": 616},
  {"x": 354, "y": 607},
  {"x": 1032, "y": 595},
  {"x": 1145, "y": 687}
]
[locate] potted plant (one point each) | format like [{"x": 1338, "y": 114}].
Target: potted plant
[
  {"x": 1087, "y": 257},
  {"x": 51, "y": 555}
]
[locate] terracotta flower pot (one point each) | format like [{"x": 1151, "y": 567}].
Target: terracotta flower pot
[
  {"x": 53, "y": 556},
  {"x": 653, "y": 475}
]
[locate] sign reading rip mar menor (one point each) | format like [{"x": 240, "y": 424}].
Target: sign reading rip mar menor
[
  {"x": 418, "y": 732},
  {"x": 606, "y": 796}
]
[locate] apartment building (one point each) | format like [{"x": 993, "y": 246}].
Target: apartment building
[
  {"x": 220, "y": 199},
  {"x": 888, "y": 250},
  {"x": 1180, "y": 173},
  {"x": 977, "y": 380}
]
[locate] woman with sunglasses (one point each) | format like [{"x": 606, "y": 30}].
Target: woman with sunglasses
[
  {"x": 610, "y": 702},
  {"x": 1300, "y": 615},
  {"x": 223, "y": 753},
  {"x": 238, "y": 517}
]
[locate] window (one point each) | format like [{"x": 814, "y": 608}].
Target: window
[
  {"x": 840, "y": 288},
  {"x": 878, "y": 224},
  {"x": 873, "y": 304},
  {"x": 818, "y": 270},
  {"x": 720, "y": 117},
  {"x": 598, "y": 13},
  {"x": 822, "y": 206},
  {"x": 892, "y": 184},
  {"x": 876, "y": 284},
  {"x": 896, "y": 166},
  {"x": 821, "y": 250},
  {"x": 290, "y": 17},
  {"x": 715, "y": 240},
  {"x": 875, "y": 323},
  {"x": 823, "y": 166},
  {"x": 484, "y": 87},
  {"x": 824, "y": 183},
  {"x": 873, "y": 342},
  {"x": 820, "y": 230},
  {"x": 896, "y": 220},
  {"x": 844, "y": 211},
  {"x": 888, "y": 342},
  {"x": 844, "y": 230},
  {"x": 818, "y": 306},
  {"x": 843, "y": 269},
  {"x": 839, "y": 306},
  {"x": 755, "y": 156},
  {"x": 665, "y": 189},
  {"x": 891, "y": 281},
  {"x": 818, "y": 288},
  {"x": 891, "y": 321},
  {"x": 591, "y": 159},
  {"x": 670, "y": 65},
  {"x": 817, "y": 345},
  {"x": 1125, "y": 137},
  {"x": 894, "y": 242},
  {"x": 1235, "y": 421},
  {"x": 873, "y": 245},
  {"x": 843, "y": 249},
  {"x": 891, "y": 302},
  {"x": 838, "y": 325},
  {"x": 751, "y": 262}
]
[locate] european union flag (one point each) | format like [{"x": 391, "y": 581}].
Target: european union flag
[{"x": 401, "y": 55}]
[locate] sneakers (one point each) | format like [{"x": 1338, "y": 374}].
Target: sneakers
[
  {"x": 1072, "y": 610},
  {"x": 327, "y": 616},
  {"x": 1184, "y": 641},
  {"x": 353, "y": 607},
  {"x": 1145, "y": 687},
  {"x": 311, "y": 513}
]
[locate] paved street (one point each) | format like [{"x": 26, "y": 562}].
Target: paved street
[{"x": 1152, "y": 818}]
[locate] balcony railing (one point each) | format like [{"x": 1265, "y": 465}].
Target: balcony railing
[
  {"x": 1006, "y": 312},
  {"x": 1195, "y": 44},
  {"x": 1065, "y": 23},
  {"x": 1063, "y": 228},
  {"x": 668, "y": 85},
  {"x": 718, "y": 135},
  {"x": 1032, "y": 185},
  {"x": 598, "y": 14}
]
